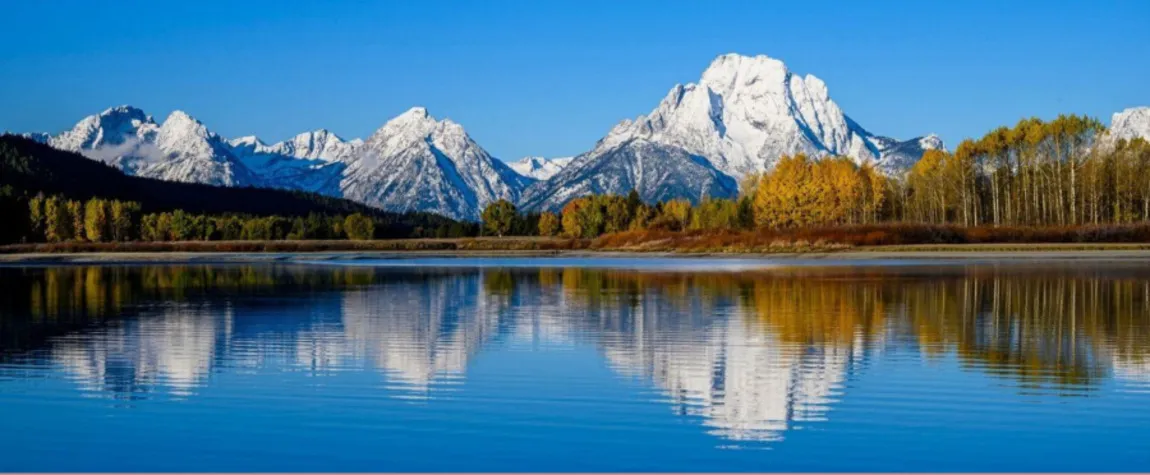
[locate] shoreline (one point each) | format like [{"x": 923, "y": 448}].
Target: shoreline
[{"x": 1029, "y": 252}]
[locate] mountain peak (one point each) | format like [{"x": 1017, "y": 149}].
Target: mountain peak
[
  {"x": 415, "y": 162},
  {"x": 731, "y": 71},
  {"x": 417, "y": 113},
  {"x": 125, "y": 110},
  {"x": 931, "y": 142},
  {"x": 416, "y": 124},
  {"x": 247, "y": 141},
  {"x": 317, "y": 135},
  {"x": 539, "y": 168},
  {"x": 180, "y": 116},
  {"x": 746, "y": 112},
  {"x": 113, "y": 126},
  {"x": 179, "y": 126},
  {"x": 1131, "y": 123}
]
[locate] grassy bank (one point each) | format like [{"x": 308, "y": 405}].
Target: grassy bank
[
  {"x": 883, "y": 238},
  {"x": 824, "y": 239}
]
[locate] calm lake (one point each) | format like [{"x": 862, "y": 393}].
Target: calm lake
[{"x": 576, "y": 365}]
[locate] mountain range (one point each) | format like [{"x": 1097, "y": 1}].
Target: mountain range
[
  {"x": 1131, "y": 123},
  {"x": 739, "y": 118}
]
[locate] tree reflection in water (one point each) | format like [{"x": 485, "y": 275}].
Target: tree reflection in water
[{"x": 750, "y": 353}]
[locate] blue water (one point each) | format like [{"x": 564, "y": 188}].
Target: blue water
[{"x": 547, "y": 365}]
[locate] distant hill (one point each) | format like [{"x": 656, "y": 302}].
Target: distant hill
[{"x": 30, "y": 167}]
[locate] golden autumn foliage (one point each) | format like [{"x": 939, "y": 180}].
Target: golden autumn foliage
[
  {"x": 1048, "y": 326},
  {"x": 1063, "y": 174},
  {"x": 549, "y": 224},
  {"x": 1036, "y": 173},
  {"x": 803, "y": 192}
]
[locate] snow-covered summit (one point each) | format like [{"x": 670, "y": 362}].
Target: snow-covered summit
[
  {"x": 112, "y": 127},
  {"x": 192, "y": 153},
  {"x": 183, "y": 134},
  {"x": 311, "y": 161},
  {"x": 248, "y": 141},
  {"x": 539, "y": 168},
  {"x": 896, "y": 157},
  {"x": 1131, "y": 123},
  {"x": 320, "y": 144},
  {"x": 414, "y": 126},
  {"x": 742, "y": 115},
  {"x": 746, "y": 112},
  {"x": 415, "y": 162}
]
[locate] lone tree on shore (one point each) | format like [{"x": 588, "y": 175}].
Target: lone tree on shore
[{"x": 498, "y": 217}]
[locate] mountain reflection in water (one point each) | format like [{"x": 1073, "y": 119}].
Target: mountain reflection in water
[{"x": 749, "y": 354}]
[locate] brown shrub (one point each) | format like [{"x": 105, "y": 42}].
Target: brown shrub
[{"x": 837, "y": 237}]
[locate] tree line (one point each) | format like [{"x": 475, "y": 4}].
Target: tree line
[
  {"x": 31, "y": 171},
  {"x": 1064, "y": 172},
  {"x": 593, "y": 215},
  {"x": 797, "y": 192},
  {"x": 58, "y": 219}
]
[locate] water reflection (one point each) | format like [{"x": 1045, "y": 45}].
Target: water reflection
[{"x": 750, "y": 355}]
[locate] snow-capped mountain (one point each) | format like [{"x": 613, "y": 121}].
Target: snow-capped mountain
[
  {"x": 115, "y": 127},
  {"x": 311, "y": 161},
  {"x": 539, "y": 168},
  {"x": 1131, "y": 123},
  {"x": 194, "y": 154},
  {"x": 896, "y": 157},
  {"x": 413, "y": 163},
  {"x": 743, "y": 115},
  {"x": 417, "y": 163},
  {"x": 658, "y": 172},
  {"x": 320, "y": 144},
  {"x": 180, "y": 149},
  {"x": 746, "y": 112}
]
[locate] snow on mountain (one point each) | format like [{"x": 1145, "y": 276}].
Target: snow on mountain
[
  {"x": 413, "y": 163},
  {"x": 247, "y": 145},
  {"x": 181, "y": 149},
  {"x": 656, "y": 171},
  {"x": 417, "y": 163},
  {"x": 311, "y": 161},
  {"x": 539, "y": 168},
  {"x": 739, "y": 118},
  {"x": 896, "y": 157},
  {"x": 39, "y": 137},
  {"x": 1131, "y": 123},
  {"x": 746, "y": 112},
  {"x": 123, "y": 136},
  {"x": 115, "y": 127},
  {"x": 742, "y": 115},
  {"x": 316, "y": 145},
  {"x": 194, "y": 154}
]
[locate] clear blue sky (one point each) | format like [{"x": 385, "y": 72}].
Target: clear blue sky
[{"x": 551, "y": 77}]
